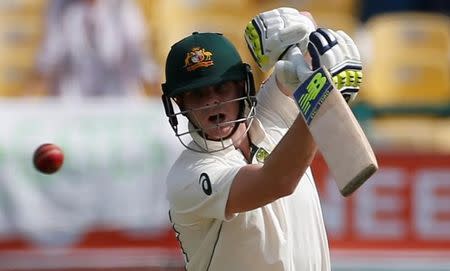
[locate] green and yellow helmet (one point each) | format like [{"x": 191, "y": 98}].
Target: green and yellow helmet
[{"x": 200, "y": 60}]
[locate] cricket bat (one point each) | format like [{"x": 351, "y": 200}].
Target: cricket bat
[{"x": 337, "y": 133}]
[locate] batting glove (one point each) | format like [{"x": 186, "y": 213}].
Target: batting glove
[
  {"x": 292, "y": 70},
  {"x": 270, "y": 34},
  {"x": 339, "y": 54}
]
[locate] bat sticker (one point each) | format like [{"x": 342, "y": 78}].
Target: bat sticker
[{"x": 311, "y": 94}]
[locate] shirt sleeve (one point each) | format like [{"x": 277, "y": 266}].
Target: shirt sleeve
[
  {"x": 274, "y": 108},
  {"x": 202, "y": 189}
]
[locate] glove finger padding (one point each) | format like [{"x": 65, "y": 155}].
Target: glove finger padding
[
  {"x": 271, "y": 33},
  {"x": 350, "y": 44},
  {"x": 339, "y": 54},
  {"x": 320, "y": 43}
]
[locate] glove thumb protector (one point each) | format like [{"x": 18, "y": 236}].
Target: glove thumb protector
[{"x": 292, "y": 70}]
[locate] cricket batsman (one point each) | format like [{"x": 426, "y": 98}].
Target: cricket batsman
[{"x": 242, "y": 196}]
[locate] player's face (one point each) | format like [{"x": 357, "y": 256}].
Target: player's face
[{"x": 211, "y": 108}]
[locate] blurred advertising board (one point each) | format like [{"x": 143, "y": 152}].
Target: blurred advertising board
[
  {"x": 405, "y": 205},
  {"x": 398, "y": 220}
]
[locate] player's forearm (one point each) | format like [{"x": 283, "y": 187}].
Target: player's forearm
[
  {"x": 255, "y": 185},
  {"x": 290, "y": 159}
]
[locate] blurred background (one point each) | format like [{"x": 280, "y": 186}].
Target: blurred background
[{"x": 86, "y": 75}]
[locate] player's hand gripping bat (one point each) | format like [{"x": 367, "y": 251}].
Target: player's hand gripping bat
[{"x": 332, "y": 124}]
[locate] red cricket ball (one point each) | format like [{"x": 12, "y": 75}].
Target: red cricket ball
[{"x": 48, "y": 158}]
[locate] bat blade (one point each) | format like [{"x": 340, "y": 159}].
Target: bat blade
[{"x": 337, "y": 133}]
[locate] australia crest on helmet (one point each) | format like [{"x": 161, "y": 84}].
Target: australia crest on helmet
[{"x": 196, "y": 58}]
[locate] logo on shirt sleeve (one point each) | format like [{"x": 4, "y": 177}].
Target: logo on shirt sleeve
[
  {"x": 205, "y": 182},
  {"x": 261, "y": 155}
]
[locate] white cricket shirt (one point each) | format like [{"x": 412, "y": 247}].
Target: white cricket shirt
[{"x": 285, "y": 235}]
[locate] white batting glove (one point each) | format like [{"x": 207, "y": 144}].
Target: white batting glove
[
  {"x": 339, "y": 54},
  {"x": 271, "y": 33},
  {"x": 292, "y": 70}
]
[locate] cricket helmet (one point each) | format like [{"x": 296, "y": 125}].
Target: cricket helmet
[{"x": 200, "y": 60}]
